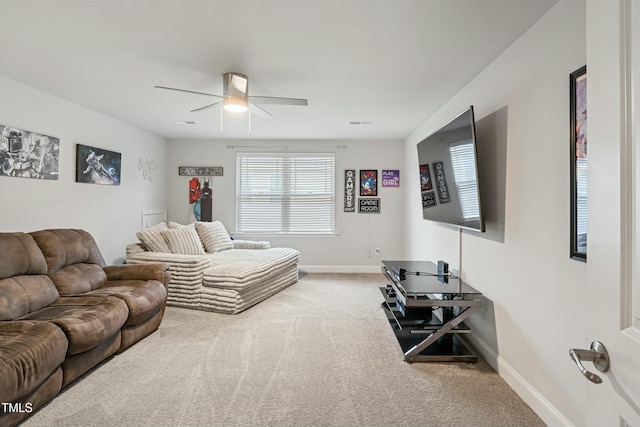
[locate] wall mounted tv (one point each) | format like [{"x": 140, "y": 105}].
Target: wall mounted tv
[{"x": 449, "y": 174}]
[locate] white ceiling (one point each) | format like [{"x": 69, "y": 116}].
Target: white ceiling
[{"x": 390, "y": 62}]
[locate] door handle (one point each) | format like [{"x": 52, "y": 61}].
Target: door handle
[{"x": 597, "y": 354}]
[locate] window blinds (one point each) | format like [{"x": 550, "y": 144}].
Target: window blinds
[{"x": 285, "y": 192}]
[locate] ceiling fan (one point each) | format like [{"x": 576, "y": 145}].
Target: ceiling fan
[{"x": 235, "y": 97}]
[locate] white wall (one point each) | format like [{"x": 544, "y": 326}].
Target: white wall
[
  {"x": 112, "y": 214},
  {"x": 358, "y": 234},
  {"x": 535, "y": 294}
]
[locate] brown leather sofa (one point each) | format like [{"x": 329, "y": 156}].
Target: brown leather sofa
[{"x": 63, "y": 311}]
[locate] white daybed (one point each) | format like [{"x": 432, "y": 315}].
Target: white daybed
[{"x": 210, "y": 271}]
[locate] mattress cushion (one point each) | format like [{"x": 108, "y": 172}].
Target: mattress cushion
[{"x": 240, "y": 268}]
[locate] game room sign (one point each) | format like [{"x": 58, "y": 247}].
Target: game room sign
[{"x": 369, "y": 205}]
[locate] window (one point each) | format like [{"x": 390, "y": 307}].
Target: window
[{"x": 285, "y": 193}]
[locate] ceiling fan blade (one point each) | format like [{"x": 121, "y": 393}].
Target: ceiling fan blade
[
  {"x": 206, "y": 107},
  {"x": 260, "y": 112},
  {"x": 277, "y": 100},
  {"x": 187, "y": 91}
]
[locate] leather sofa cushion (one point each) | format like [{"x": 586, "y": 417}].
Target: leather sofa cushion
[
  {"x": 78, "y": 278},
  {"x": 63, "y": 246},
  {"x": 29, "y": 352},
  {"x": 24, "y": 286},
  {"x": 20, "y": 255},
  {"x": 144, "y": 298},
  {"x": 86, "y": 321},
  {"x": 21, "y": 295},
  {"x": 73, "y": 259}
]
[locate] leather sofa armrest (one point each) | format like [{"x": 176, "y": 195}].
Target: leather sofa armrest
[{"x": 151, "y": 271}]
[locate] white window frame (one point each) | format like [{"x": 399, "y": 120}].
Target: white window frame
[{"x": 279, "y": 193}]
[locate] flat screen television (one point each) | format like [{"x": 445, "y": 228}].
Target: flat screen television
[{"x": 449, "y": 186}]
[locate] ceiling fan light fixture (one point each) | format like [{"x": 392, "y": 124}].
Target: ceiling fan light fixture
[{"x": 235, "y": 104}]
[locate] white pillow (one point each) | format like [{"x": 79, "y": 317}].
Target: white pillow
[
  {"x": 214, "y": 236},
  {"x": 152, "y": 238},
  {"x": 183, "y": 240}
]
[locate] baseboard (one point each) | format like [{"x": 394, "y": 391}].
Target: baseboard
[
  {"x": 540, "y": 405},
  {"x": 340, "y": 268}
]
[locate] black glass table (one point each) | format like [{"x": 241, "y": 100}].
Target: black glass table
[{"x": 427, "y": 310}]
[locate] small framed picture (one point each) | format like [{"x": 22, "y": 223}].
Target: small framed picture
[
  {"x": 390, "y": 178},
  {"x": 97, "y": 166},
  {"x": 368, "y": 182}
]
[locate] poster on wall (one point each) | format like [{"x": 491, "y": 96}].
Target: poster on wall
[
  {"x": 201, "y": 199},
  {"x": 97, "y": 166},
  {"x": 350, "y": 190},
  {"x": 28, "y": 154},
  {"x": 391, "y": 178},
  {"x": 368, "y": 182}
]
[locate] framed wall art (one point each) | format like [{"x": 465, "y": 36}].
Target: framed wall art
[
  {"x": 201, "y": 198},
  {"x": 97, "y": 166},
  {"x": 349, "y": 190},
  {"x": 391, "y": 178},
  {"x": 200, "y": 170},
  {"x": 578, "y": 165},
  {"x": 368, "y": 182},
  {"x": 27, "y": 154},
  {"x": 369, "y": 205}
]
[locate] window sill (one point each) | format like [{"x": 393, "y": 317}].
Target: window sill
[{"x": 272, "y": 235}]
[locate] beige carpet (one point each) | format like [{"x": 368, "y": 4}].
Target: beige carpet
[{"x": 320, "y": 353}]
